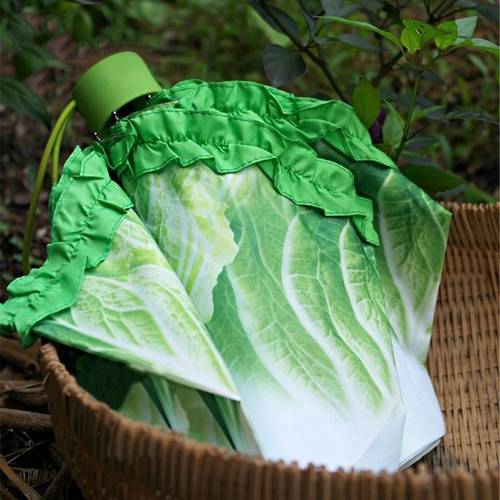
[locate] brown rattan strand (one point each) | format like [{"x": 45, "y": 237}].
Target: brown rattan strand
[{"x": 112, "y": 458}]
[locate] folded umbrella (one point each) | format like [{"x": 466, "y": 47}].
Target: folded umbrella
[{"x": 312, "y": 263}]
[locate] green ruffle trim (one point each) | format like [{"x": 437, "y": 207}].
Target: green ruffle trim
[
  {"x": 299, "y": 118},
  {"x": 86, "y": 208},
  {"x": 152, "y": 139}
]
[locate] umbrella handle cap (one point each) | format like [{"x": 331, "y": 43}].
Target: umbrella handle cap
[{"x": 111, "y": 84}]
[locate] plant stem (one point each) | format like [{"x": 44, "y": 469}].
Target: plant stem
[
  {"x": 318, "y": 59},
  {"x": 452, "y": 13},
  {"x": 386, "y": 69},
  {"x": 427, "y": 7},
  {"x": 423, "y": 127},
  {"x": 445, "y": 4},
  {"x": 303, "y": 7},
  {"x": 410, "y": 109}
]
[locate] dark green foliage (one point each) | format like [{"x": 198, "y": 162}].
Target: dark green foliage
[
  {"x": 402, "y": 44},
  {"x": 431, "y": 65},
  {"x": 282, "y": 65},
  {"x": 20, "y": 97}
]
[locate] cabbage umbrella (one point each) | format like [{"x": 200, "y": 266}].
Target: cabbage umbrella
[{"x": 306, "y": 265}]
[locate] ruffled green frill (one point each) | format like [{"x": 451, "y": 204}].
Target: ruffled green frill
[
  {"x": 152, "y": 139},
  {"x": 300, "y": 118},
  {"x": 86, "y": 208}
]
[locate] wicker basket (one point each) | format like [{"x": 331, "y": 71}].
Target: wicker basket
[{"x": 111, "y": 457}]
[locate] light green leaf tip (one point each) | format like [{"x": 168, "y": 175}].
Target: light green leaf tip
[
  {"x": 466, "y": 27},
  {"x": 410, "y": 40},
  {"x": 445, "y": 40}
]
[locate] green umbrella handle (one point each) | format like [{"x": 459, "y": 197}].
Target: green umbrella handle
[
  {"x": 109, "y": 85},
  {"x": 51, "y": 150}
]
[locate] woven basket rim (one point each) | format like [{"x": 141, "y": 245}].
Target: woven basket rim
[{"x": 51, "y": 365}]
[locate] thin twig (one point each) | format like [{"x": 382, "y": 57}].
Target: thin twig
[
  {"x": 451, "y": 13},
  {"x": 434, "y": 16},
  {"x": 386, "y": 69},
  {"x": 30, "y": 394},
  {"x": 303, "y": 7},
  {"x": 25, "y": 420},
  {"x": 59, "y": 487},
  {"x": 25, "y": 359},
  {"x": 25, "y": 489}
]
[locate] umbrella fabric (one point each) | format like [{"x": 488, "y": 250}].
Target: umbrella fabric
[{"x": 243, "y": 145}]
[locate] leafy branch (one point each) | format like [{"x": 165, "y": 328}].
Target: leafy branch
[
  {"x": 413, "y": 44},
  {"x": 284, "y": 24}
]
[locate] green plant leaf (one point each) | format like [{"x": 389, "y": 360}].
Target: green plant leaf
[
  {"x": 430, "y": 179},
  {"x": 421, "y": 141},
  {"x": 417, "y": 158},
  {"x": 467, "y": 4},
  {"x": 38, "y": 51},
  {"x": 366, "y": 102},
  {"x": 425, "y": 112},
  {"x": 18, "y": 96},
  {"x": 321, "y": 41},
  {"x": 403, "y": 103},
  {"x": 466, "y": 27},
  {"x": 270, "y": 34},
  {"x": 30, "y": 58},
  {"x": 356, "y": 41},
  {"x": 451, "y": 29},
  {"x": 423, "y": 31},
  {"x": 338, "y": 8},
  {"x": 290, "y": 27},
  {"x": 417, "y": 33},
  {"x": 433, "y": 77},
  {"x": 476, "y": 195},
  {"x": 486, "y": 45},
  {"x": 83, "y": 25},
  {"x": 489, "y": 11},
  {"x": 410, "y": 40},
  {"x": 372, "y": 4},
  {"x": 461, "y": 115},
  {"x": 368, "y": 26},
  {"x": 481, "y": 44},
  {"x": 281, "y": 65},
  {"x": 310, "y": 23},
  {"x": 392, "y": 130},
  {"x": 21, "y": 28}
]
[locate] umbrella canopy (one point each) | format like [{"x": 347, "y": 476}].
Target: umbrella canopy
[{"x": 289, "y": 263}]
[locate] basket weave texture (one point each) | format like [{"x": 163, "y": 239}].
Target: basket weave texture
[{"x": 111, "y": 457}]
